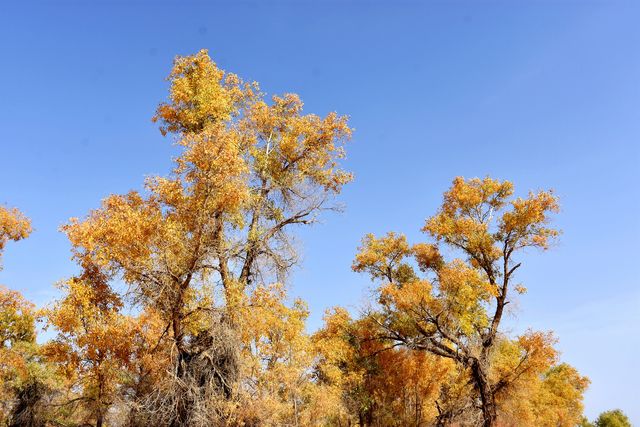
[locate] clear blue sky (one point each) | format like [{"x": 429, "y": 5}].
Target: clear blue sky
[{"x": 546, "y": 94}]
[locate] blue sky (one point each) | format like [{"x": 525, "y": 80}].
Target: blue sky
[{"x": 543, "y": 93}]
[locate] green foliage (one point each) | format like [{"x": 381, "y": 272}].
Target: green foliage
[{"x": 613, "y": 418}]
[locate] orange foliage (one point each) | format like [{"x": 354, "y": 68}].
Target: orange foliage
[{"x": 455, "y": 310}]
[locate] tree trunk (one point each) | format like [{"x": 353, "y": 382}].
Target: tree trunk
[
  {"x": 183, "y": 358},
  {"x": 487, "y": 397},
  {"x": 25, "y": 412}
]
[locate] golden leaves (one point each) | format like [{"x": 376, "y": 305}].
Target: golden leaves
[
  {"x": 243, "y": 161},
  {"x": 536, "y": 389},
  {"x": 204, "y": 242},
  {"x": 247, "y": 170},
  {"x": 466, "y": 196},
  {"x": 474, "y": 218},
  {"x": 124, "y": 231},
  {"x": 294, "y": 148},
  {"x": 93, "y": 345},
  {"x": 520, "y": 289},
  {"x": 297, "y": 147},
  {"x": 427, "y": 256},
  {"x": 464, "y": 292},
  {"x": 13, "y": 226},
  {"x": 277, "y": 356},
  {"x": 381, "y": 257},
  {"x": 524, "y": 225},
  {"x": 16, "y": 319},
  {"x": 201, "y": 94},
  {"x": 268, "y": 321},
  {"x": 558, "y": 401},
  {"x": 18, "y": 349},
  {"x": 411, "y": 297},
  {"x": 373, "y": 379},
  {"x": 215, "y": 171}
]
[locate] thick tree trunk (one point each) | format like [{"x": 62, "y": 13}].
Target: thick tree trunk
[
  {"x": 361, "y": 421},
  {"x": 26, "y": 412},
  {"x": 207, "y": 366},
  {"x": 487, "y": 397}
]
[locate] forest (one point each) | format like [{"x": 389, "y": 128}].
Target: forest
[{"x": 180, "y": 314}]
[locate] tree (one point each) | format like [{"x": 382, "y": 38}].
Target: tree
[
  {"x": 196, "y": 243},
  {"x": 13, "y": 226},
  {"x": 278, "y": 356},
  {"x": 614, "y": 418},
  {"x": 373, "y": 383},
  {"x": 19, "y": 392},
  {"x": 150, "y": 360},
  {"x": 17, "y": 323},
  {"x": 25, "y": 380},
  {"x": 455, "y": 310},
  {"x": 544, "y": 392},
  {"x": 93, "y": 346}
]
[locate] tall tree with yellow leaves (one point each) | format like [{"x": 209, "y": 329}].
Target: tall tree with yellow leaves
[
  {"x": 20, "y": 391},
  {"x": 93, "y": 347},
  {"x": 17, "y": 318},
  {"x": 196, "y": 243},
  {"x": 25, "y": 380},
  {"x": 456, "y": 309}
]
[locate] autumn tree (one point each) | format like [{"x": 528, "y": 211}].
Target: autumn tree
[
  {"x": 278, "y": 354},
  {"x": 25, "y": 382},
  {"x": 194, "y": 245},
  {"x": 20, "y": 390},
  {"x": 455, "y": 309},
  {"x": 344, "y": 368},
  {"x": 371, "y": 381},
  {"x": 150, "y": 359},
  {"x": 93, "y": 346},
  {"x": 14, "y": 226},
  {"x": 17, "y": 324},
  {"x": 541, "y": 390}
]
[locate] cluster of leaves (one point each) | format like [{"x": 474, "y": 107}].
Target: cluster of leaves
[
  {"x": 614, "y": 418},
  {"x": 203, "y": 332},
  {"x": 13, "y": 226}
]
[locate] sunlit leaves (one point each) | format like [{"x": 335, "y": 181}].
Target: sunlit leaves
[
  {"x": 93, "y": 344},
  {"x": 455, "y": 310},
  {"x": 17, "y": 341},
  {"x": 525, "y": 224},
  {"x": 25, "y": 377},
  {"x": 16, "y": 319},
  {"x": 382, "y": 257},
  {"x": 371, "y": 380},
  {"x": 201, "y": 93},
  {"x": 13, "y": 226}
]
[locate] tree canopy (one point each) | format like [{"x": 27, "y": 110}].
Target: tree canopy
[{"x": 179, "y": 313}]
